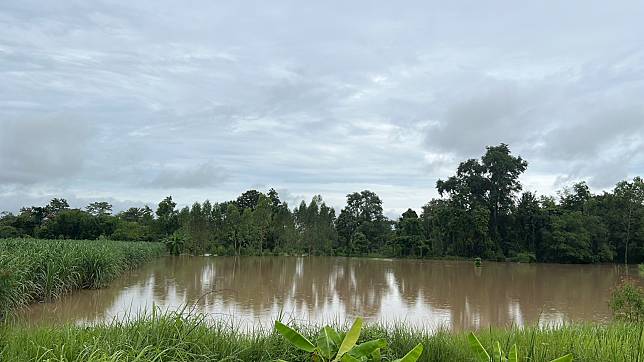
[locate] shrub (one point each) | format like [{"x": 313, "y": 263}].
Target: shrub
[{"x": 627, "y": 302}]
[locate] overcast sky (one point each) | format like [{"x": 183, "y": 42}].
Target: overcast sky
[{"x": 131, "y": 101}]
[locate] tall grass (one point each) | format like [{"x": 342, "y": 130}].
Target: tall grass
[
  {"x": 176, "y": 337},
  {"x": 33, "y": 270}
]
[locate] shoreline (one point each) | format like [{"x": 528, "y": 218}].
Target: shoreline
[{"x": 171, "y": 336}]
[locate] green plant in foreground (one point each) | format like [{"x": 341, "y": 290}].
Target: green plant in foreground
[
  {"x": 627, "y": 302},
  {"x": 498, "y": 355},
  {"x": 334, "y": 346}
]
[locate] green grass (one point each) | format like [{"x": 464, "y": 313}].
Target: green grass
[
  {"x": 171, "y": 337},
  {"x": 33, "y": 270}
]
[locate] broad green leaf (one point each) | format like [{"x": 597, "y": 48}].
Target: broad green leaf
[
  {"x": 350, "y": 339},
  {"x": 375, "y": 355},
  {"x": 514, "y": 355},
  {"x": 349, "y": 358},
  {"x": 413, "y": 355},
  {"x": 335, "y": 336},
  {"x": 498, "y": 353},
  {"x": 477, "y": 348},
  {"x": 566, "y": 358},
  {"x": 295, "y": 338},
  {"x": 326, "y": 345},
  {"x": 366, "y": 348}
]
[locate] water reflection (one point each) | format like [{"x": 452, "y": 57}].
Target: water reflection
[{"x": 452, "y": 294}]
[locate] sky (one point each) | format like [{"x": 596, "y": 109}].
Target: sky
[{"x": 131, "y": 101}]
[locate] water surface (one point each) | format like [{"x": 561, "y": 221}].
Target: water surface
[{"x": 451, "y": 294}]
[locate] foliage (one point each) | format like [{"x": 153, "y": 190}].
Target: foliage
[
  {"x": 497, "y": 355},
  {"x": 174, "y": 243},
  {"x": 334, "y": 346},
  {"x": 627, "y": 302},
  {"x": 176, "y": 337},
  {"x": 481, "y": 213},
  {"x": 33, "y": 270}
]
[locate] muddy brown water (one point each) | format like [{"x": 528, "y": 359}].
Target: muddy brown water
[{"x": 425, "y": 293}]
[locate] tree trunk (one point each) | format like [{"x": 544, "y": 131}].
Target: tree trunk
[{"x": 628, "y": 233}]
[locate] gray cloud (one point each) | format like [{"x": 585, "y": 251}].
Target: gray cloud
[
  {"x": 200, "y": 176},
  {"x": 208, "y": 100},
  {"x": 39, "y": 150}
]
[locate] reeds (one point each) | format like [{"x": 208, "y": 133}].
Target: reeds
[{"x": 33, "y": 270}]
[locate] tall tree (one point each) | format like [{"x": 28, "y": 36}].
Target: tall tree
[
  {"x": 99, "y": 208},
  {"x": 502, "y": 173},
  {"x": 489, "y": 183},
  {"x": 231, "y": 226},
  {"x": 630, "y": 196},
  {"x": 363, "y": 213},
  {"x": 167, "y": 216},
  {"x": 248, "y": 200}
]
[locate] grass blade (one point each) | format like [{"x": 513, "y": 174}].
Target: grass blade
[
  {"x": 514, "y": 354},
  {"x": 566, "y": 358},
  {"x": 477, "y": 348}
]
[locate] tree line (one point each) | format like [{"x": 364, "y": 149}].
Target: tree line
[{"x": 482, "y": 212}]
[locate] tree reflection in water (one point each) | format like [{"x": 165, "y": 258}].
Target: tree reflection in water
[{"x": 452, "y": 294}]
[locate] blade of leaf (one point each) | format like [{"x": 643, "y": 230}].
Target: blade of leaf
[
  {"x": 566, "y": 358},
  {"x": 350, "y": 339},
  {"x": 366, "y": 348},
  {"x": 295, "y": 338},
  {"x": 514, "y": 355},
  {"x": 349, "y": 358},
  {"x": 413, "y": 355},
  {"x": 326, "y": 346},
  {"x": 477, "y": 348},
  {"x": 498, "y": 353},
  {"x": 375, "y": 355},
  {"x": 335, "y": 336}
]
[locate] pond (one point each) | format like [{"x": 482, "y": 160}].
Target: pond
[{"x": 425, "y": 293}]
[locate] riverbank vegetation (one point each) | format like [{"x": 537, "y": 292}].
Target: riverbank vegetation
[
  {"x": 627, "y": 302},
  {"x": 483, "y": 212},
  {"x": 171, "y": 337},
  {"x": 33, "y": 270}
]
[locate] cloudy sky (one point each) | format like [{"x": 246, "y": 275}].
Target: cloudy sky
[{"x": 133, "y": 100}]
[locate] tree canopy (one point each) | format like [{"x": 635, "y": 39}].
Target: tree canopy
[{"x": 482, "y": 212}]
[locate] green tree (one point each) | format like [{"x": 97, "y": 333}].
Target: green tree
[
  {"x": 363, "y": 213},
  {"x": 490, "y": 183},
  {"x": 630, "y": 199},
  {"x": 568, "y": 241},
  {"x": 231, "y": 227},
  {"x": 262, "y": 219},
  {"x": 101, "y": 208},
  {"x": 248, "y": 200},
  {"x": 167, "y": 216},
  {"x": 409, "y": 240}
]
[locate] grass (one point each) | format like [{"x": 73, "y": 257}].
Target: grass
[
  {"x": 33, "y": 270},
  {"x": 173, "y": 337}
]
